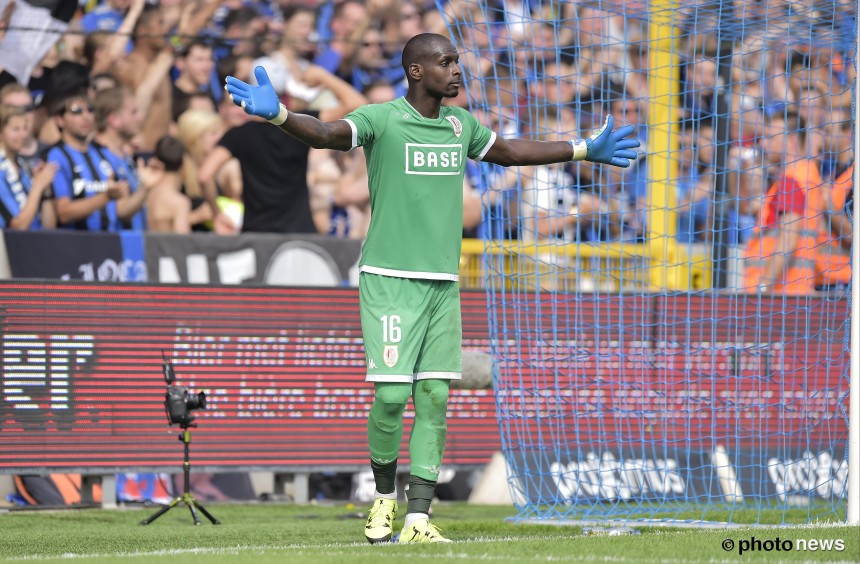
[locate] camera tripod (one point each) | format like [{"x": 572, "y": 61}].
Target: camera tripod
[{"x": 186, "y": 497}]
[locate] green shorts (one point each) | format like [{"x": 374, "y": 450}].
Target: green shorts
[{"x": 412, "y": 328}]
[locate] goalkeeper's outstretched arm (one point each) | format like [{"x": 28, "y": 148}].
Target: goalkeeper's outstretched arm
[
  {"x": 262, "y": 101},
  {"x": 605, "y": 146}
]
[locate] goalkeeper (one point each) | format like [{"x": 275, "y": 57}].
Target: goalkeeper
[{"x": 408, "y": 291}]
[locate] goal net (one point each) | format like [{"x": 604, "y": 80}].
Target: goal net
[{"x": 670, "y": 340}]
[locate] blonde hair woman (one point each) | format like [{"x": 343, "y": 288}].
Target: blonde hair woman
[
  {"x": 199, "y": 131},
  {"x": 21, "y": 191}
]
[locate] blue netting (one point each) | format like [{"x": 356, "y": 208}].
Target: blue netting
[{"x": 659, "y": 354}]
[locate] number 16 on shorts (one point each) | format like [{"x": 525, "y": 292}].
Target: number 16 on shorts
[{"x": 390, "y": 337}]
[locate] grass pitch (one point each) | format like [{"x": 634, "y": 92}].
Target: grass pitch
[{"x": 287, "y": 534}]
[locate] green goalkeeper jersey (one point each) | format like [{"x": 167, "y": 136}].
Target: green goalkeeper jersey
[{"x": 415, "y": 168}]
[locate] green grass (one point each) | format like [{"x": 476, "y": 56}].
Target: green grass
[{"x": 287, "y": 534}]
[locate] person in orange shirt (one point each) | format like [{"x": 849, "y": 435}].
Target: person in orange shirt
[
  {"x": 833, "y": 261},
  {"x": 780, "y": 256}
]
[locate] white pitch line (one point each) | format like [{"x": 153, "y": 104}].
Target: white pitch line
[{"x": 305, "y": 549}]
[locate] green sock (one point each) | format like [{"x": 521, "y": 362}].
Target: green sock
[
  {"x": 419, "y": 494},
  {"x": 427, "y": 443},
  {"x": 385, "y": 431}
]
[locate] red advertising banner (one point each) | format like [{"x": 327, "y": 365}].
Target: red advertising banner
[{"x": 283, "y": 370}]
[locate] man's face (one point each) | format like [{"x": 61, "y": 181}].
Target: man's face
[
  {"x": 705, "y": 77},
  {"x": 77, "y": 118},
  {"x": 128, "y": 119},
  {"x": 626, "y": 112},
  {"x": 410, "y": 22},
  {"x": 370, "y": 51},
  {"x": 153, "y": 32},
  {"x": 687, "y": 150},
  {"x": 348, "y": 20},
  {"x": 442, "y": 76},
  {"x": 557, "y": 84},
  {"x": 775, "y": 144},
  {"x": 198, "y": 65},
  {"x": 298, "y": 30}
]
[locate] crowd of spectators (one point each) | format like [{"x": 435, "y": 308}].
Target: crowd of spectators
[{"x": 124, "y": 124}]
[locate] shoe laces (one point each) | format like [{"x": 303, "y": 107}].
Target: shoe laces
[
  {"x": 377, "y": 514},
  {"x": 433, "y": 531}
]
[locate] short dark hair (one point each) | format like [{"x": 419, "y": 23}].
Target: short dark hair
[
  {"x": 107, "y": 102},
  {"x": 288, "y": 12},
  {"x": 196, "y": 42},
  {"x": 169, "y": 150},
  {"x": 420, "y": 48},
  {"x": 340, "y": 7},
  {"x": 241, "y": 15},
  {"x": 149, "y": 12},
  {"x": 67, "y": 80}
]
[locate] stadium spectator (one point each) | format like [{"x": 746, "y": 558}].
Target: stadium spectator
[
  {"x": 22, "y": 191},
  {"x": 19, "y": 96},
  {"x": 286, "y": 65},
  {"x": 149, "y": 42},
  {"x": 195, "y": 64},
  {"x": 549, "y": 193},
  {"x": 65, "y": 78},
  {"x": 695, "y": 184},
  {"x": 168, "y": 210},
  {"x": 700, "y": 88},
  {"x": 231, "y": 115},
  {"x": 833, "y": 263},
  {"x": 274, "y": 165},
  {"x": 199, "y": 132},
  {"x": 556, "y": 87},
  {"x": 348, "y": 23},
  {"x": 299, "y": 22},
  {"x": 85, "y": 188},
  {"x": 117, "y": 122},
  {"x": 243, "y": 31},
  {"x": 746, "y": 186},
  {"x": 370, "y": 63},
  {"x": 340, "y": 200},
  {"x": 604, "y": 59},
  {"x": 102, "y": 48},
  {"x": 780, "y": 256}
]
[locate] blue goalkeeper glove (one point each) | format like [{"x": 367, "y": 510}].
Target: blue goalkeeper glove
[
  {"x": 260, "y": 100},
  {"x": 609, "y": 147}
]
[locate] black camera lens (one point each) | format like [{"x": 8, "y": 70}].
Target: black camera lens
[{"x": 196, "y": 401}]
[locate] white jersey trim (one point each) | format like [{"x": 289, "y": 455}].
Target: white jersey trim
[
  {"x": 439, "y": 375},
  {"x": 487, "y": 146},
  {"x": 411, "y": 378},
  {"x": 409, "y": 273},
  {"x": 354, "y": 133},
  {"x": 398, "y": 378}
]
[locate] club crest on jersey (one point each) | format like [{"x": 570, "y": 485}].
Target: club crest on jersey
[
  {"x": 105, "y": 168},
  {"x": 458, "y": 127},
  {"x": 390, "y": 355}
]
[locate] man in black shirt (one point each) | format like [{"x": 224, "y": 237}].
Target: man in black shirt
[{"x": 274, "y": 165}]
